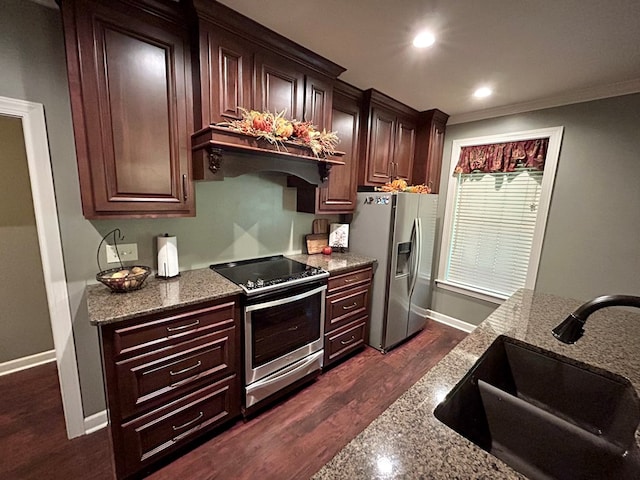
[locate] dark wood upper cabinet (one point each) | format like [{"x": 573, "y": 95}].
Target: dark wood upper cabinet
[
  {"x": 404, "y": 148},
  {"x": 226, "y": 76},
  {"x": 379, "y": 165},
  {"x": 279, "y": 86},
  {"x": 338, "y": 195},
  {"x": 389, "y": 140},
  {"x": 432, "y": 125},
  {"x": 318, "y": 102},
  {"x": 244, "y": 64},
  {"x": 130, "y": 87}
]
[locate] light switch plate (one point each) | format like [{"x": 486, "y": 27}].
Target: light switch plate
[{"x": 128, "y": 252}]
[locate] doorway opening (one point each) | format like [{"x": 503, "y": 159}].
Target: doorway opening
[{"x": 36, "y": 147}]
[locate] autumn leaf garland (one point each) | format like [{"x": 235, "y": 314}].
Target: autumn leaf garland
[{"x": 276, "y": 129}]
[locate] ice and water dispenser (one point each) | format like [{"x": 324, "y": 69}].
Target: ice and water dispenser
[{"x": 403, "y": 255}]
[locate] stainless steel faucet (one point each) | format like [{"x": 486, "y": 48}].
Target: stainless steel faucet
[{"x": 571, "y": 329}]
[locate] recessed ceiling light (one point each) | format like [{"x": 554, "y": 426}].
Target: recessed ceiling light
[
  {"x": 424, "y": 40},
  {"x": 482, "y": 92}
]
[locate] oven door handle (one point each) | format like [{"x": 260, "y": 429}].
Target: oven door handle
[
  {"x": 285, "y": 300},
  {"x": 285, "y": 372}
]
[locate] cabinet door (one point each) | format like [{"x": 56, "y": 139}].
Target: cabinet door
[
  {"x": 404, "y": 149},
  {"x": 436, "y": 146},
  {"x": 318, "y": 102},
  {"x": 339, "y": 195},
  {"x": 129, "y": 76},
  {"x": 279, "y": 86},
  {"x": 380, "y": 154},
  {"x": 226, "y": 66}
]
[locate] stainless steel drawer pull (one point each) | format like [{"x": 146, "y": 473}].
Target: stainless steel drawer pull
[
  {"x": 349, "y": 307},
  {"x": 349, "y": 280},
  {"x": 346, "y": 342},
  {"x": 189, "y": 325},
  {"x": 190, "y": 422},
  {"x": 184, "y": 370}
]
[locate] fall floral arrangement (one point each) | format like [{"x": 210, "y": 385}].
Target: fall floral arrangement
[
  {"x": 400, "y": 185},
  {"x": 276, "y": 129}
]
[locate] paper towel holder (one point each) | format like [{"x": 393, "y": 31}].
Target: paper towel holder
[{"x": 167, "y": 258}]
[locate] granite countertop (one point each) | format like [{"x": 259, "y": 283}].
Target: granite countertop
[
  {"x": 157, "y": 295},
  {"x": 191, "y": 287},
  {"x": 408, "y": 442},
  {"x": 334, "y": 263}
]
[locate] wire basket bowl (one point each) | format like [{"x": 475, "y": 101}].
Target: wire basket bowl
[{"x": 123, "y": 280}]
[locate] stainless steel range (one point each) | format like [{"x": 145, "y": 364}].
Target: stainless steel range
[{"x": 283, "y": 310}]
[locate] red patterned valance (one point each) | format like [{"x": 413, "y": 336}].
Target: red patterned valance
[{"x": 503, "y": 157}]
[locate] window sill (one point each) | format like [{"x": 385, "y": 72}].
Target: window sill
[{"x": 480, "y": 294}]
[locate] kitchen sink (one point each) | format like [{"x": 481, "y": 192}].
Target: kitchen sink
[{"x": 545, "y": 415}]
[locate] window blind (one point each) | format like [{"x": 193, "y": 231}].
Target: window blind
[{"x": 494, "y": 221}]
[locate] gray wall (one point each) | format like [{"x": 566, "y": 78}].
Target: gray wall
[
  {"x": 592, "y": 241},
  {"x": 24, "y": 319},
  {"x": 242, "y": 217}
]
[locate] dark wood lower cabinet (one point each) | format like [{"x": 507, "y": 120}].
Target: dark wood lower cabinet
[
  {"x": 152, "y": 436},
  {"x": 346, "y": 313},
  {"x": 172, "y": 377},
  {"x": 169, "y": 379}
]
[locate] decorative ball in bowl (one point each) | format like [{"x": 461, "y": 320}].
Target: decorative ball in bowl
[{"x": 125, "y": 279}]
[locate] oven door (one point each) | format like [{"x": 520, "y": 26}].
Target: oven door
[{"x": 281, "y": 329}]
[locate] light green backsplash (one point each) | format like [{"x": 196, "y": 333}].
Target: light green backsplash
[{"x": 249, "y": 216}]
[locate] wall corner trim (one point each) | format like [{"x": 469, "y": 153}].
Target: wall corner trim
[{"x": 450, "y": 321}]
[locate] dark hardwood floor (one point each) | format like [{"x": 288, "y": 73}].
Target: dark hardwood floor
[
  {"x": 291, "y": 440},
  {"x": 33, "y": 439}
]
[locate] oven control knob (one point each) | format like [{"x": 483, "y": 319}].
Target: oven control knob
[
  {"x": 259, "y": 283},
  {"x": 250, "y": 284}
]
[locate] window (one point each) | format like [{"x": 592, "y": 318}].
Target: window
[{"x": 494, "y": 222}]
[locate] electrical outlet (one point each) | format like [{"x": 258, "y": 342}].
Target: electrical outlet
[{"x": 128, "y": 252}]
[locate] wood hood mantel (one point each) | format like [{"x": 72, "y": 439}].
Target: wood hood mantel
[{"x": 219, "y": 152}]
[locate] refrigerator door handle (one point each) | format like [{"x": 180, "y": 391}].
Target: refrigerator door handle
[{"x": 417, "y": 226}]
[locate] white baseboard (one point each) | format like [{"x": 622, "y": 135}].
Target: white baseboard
[
  {"x": 23, "y": 363},
  {"x": 95, "y": 422},
  {"x": 452, "y": 322}
]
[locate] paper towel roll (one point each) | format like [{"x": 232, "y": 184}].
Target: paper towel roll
[{"x": 168, "y": 256}]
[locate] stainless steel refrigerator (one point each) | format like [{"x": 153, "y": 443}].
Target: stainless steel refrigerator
[{"x": 397, "y": 229}]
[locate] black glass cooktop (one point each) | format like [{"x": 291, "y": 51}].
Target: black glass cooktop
[{"x": 267, "y": 273}]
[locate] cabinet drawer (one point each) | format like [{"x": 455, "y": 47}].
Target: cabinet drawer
[
  {"x": 345, "y": 307},
  {"x": 347, "y": 280},
  {"x": 167, "y": 428},
  {"x": 176, "y": 328},
  {"x": 148, "y": 380},
  {"x": 344, "y": 340}
]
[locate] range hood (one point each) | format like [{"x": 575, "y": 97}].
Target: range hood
[{"x": 219, "y": 152}]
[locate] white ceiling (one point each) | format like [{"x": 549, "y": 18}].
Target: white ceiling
[{"x": 533, "y": 53}]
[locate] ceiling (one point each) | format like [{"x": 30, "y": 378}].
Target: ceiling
[{"x": 533, "y": 54}]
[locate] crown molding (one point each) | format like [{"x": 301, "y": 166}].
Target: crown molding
[{"x": 567, "y": 98}]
